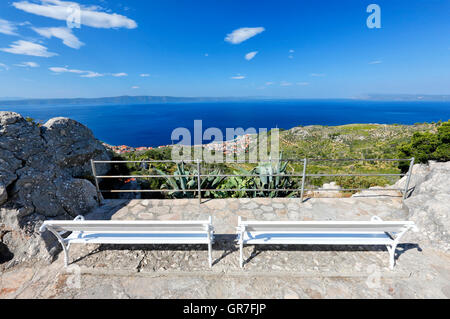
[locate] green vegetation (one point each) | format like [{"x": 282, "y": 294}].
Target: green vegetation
[
  {"x": 425, "y": 146},
  {"x": 262, "y": 184},
  {"x": 185, "y": 182},
  {"x": 424, "y": 141},
  {"x": 33, "y": 121}
]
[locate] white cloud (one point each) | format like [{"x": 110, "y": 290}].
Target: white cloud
[
  {"x": 91, "y": 74},
  {"x": 302, "y": 83},
  {"x": 250, "y": 55},
  {"x": 7, "y": 27},
  {"x": 238, "y": 77},
  {"x": 317, "y": 74},
  {"x": 62, "y": 70},
  {"x": 284, "y": 83},
  {"x": 291, "y": 55},
  {"x": 2, "y": 65},
  {"x": 89, "y": 16},
  {"x": 206, "y": 54},
  {"x": 135, "y": 87},
  {"x": 65, "y": 34},
  {"x": 28, "y": 65},
  {"x": 242, "y": 34},
  {"x": 28, "y": 48},
  {"x": 376, "y": 62},
  {"x": 269, "y": 83},
  {"x": 83, "y": 74},
  {"x": 145, "y": 75}
]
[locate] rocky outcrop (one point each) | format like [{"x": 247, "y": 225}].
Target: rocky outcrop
[
  {"x": 43, "y": 171},
  {"x": 428, "y": 204}
]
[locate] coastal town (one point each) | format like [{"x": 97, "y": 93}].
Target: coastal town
[{"x": 238, "y": 145}]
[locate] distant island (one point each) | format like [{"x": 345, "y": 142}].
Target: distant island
[
  {"x": 130, "y": 100},
  {"x": 406, "y": 97},
  {"x": 120, "y": 100}
]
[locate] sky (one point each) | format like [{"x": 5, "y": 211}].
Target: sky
[{"x": 283, "y": 48}]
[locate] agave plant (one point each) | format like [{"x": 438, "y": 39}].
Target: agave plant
[
  {"x": 180, "y": 183},
  {"x": 185, "y": 182},
  {"x": 238, "y": 182},
  {"x": 263, "y": 180},
  {"x": 211, "y": 182},
  {"x": 267, "y": 180}
]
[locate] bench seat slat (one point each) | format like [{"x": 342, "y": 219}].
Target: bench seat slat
[
  {"x": 317, "y": 238},
  {"x": 124, "y": 226},
  {"x": 324, "y": 227},
  {"x": 136, "y": 238}
]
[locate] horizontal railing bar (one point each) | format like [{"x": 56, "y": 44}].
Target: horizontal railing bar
[
  {"x": 144, "y": 190},
  {"x": 143, "y": 176},
  {"x": 250, "y": 175},
  {"x": 353, "y": 189},
  {"x": 360, "y": 159},
  {"x": 296, "y": 175},
  {"x": 146, "y": 161},
  {"x": 196, "y": 175},
  {"x": 262, "y": 160},
  {"x": 299, "y": 189},
  {"x": 250, "y": 190},
  {"x": 244, "y": 175},
  {"x": 335, "y": 175}
]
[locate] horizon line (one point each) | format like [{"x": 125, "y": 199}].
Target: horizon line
[{"x": 371, "y": 96}]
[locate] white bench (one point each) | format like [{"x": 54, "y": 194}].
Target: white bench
[
  {"x": 130, "y": 232},
  {"x": 374, "y": 232}
]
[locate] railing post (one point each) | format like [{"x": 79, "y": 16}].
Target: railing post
[
  {"x": 199, "y": 182},
  {"x": 94, "y": 173},
  {"x": 305, "y": 161},
  {"x": 411, "y": 164}
]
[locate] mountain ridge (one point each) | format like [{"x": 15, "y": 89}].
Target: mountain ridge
[{"x": 148, "y": 99}]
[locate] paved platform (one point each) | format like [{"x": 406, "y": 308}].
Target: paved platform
[
  {"x": 225, "y": 212},
  {"x": 278, "y": 271}
]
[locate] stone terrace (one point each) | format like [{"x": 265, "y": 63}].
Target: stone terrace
[
  {"x": 225, "y": 211},
  {"x": 278, "y": 271}
]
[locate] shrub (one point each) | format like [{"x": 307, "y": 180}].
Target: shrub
[{"x": 427, "y": 146}]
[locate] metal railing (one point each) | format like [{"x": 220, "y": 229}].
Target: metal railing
[{"x": 302, "y": 189}]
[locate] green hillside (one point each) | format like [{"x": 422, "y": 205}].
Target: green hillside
[{"x": 354, "y": 141}]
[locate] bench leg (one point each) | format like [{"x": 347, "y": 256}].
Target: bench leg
[
  {"x": 210, "y": 254},
  {"x": 241, "y": 253},
  {"x": 391, "y": 250},
  {"x": 66, "y": 255},
  {"x": 63, "y": 244}
]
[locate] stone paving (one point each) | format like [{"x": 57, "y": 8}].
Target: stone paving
[
  {"x": 277, "y": 271},
  {"x": 225, "y": 212}
]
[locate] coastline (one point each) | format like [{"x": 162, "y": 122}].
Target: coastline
[{"x": 236, "y": 146}]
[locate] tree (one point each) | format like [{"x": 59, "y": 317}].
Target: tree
[{"x": 427, "y": 146}]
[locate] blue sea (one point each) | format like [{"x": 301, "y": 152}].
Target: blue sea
[{"x": 152, "y": 124}]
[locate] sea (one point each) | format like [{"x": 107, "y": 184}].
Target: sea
[{"x": 152, "y": 125}]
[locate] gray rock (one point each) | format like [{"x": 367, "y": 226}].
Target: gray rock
[
  {"x": 77, "y": 196},
  {"x": 3, "y": 193},
  {"x": 41, "y": 176},
  {"x": 428, "y": 204},
  {"x": 74, "y": 146}
]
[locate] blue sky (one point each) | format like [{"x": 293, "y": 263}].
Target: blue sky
[{"x": 305, "y": 49}]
